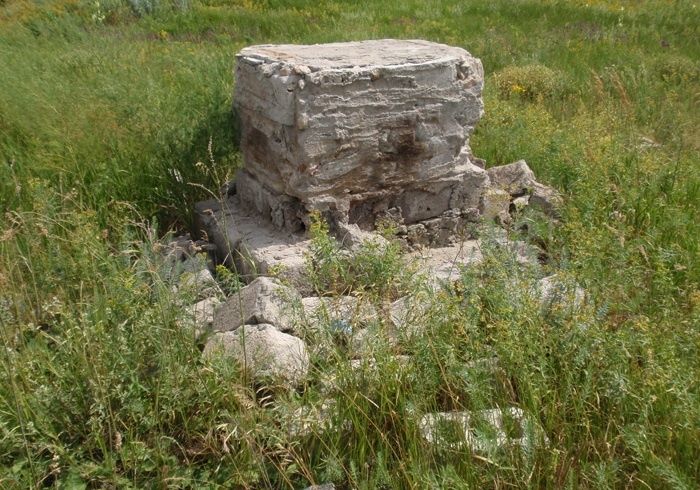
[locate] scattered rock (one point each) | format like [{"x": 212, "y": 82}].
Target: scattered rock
[
  {"x": 352, "y": 237},
  {"x": 454, "y": 430},
  {"x": 310, "y": 419},
  {"x": 547, "y": 199},
  {"x": 264, "y": 351},
  {"x": 201, "y": 284},
  {"x": 265, "y": 300},
  {"x": 556, "y": 292},
  {"x": 202, "y": 314},
  {"x": 408, "y": 314},
  {"x": 251, "y": 244},
  {"x": 443, "y": 265},
  {"x": 517, "y": 179},
  {"x": 333, "y": 308},
  {"x": 495, "y": 204}
]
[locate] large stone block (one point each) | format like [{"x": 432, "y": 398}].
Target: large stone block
[{"x": 354, "y": 129}]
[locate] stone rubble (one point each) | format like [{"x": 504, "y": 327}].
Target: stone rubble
[
  {"x": 556, "y": 292},
  {"x": 368, "y": 134}
]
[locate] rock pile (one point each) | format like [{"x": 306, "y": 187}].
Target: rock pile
[{"x": 364, "y": 134}]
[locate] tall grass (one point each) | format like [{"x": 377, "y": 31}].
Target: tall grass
[{"x": 115, "y": 118}]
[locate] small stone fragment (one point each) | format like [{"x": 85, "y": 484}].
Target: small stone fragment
[
  {"x": 349, "y": 308},
  {"x": 495, "y": 204},
  {"x": 514, "y": 178},
  {"x": 264, "y": 351}
]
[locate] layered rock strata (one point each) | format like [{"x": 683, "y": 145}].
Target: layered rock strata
[{"x": 360, "y": 131}]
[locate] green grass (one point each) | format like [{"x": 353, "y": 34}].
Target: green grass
[{"x": 115, "y": 118}]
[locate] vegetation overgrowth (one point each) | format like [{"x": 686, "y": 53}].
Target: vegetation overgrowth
[{"x": 115, "y": 118}]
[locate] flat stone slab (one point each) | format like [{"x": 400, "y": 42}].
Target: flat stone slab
[{"x": 251, "y": 245}]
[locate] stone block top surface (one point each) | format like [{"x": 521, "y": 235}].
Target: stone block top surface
[{"x": 360, "y": 54}]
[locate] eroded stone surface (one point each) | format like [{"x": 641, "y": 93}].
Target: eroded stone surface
[
  {"x": 354, "y": 129},
  {"x": 444, "y": 264},
  {"x": 202, "y": 314},
  {"x": 347, "y": 308},
  {"x": 556, "y": 291},
  {"x": 264, "y": 351},
  {"x": 251, "y": 244},
  {"x": 265, "y": 300},
  {"x": 518, "y": 180}
]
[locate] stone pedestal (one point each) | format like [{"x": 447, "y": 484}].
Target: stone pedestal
[{"x": 358, "y": 131}]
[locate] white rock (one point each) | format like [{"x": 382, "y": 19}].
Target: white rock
[
  {"x": 265, "y": 300},
  {"x": 443, "y": 265},
  {"x": 202, "y": 314},
  {"x": 409, "y": 314},
  {"x": 514, "y": 178},
  {"x": 351, "y": 309},
  {"x": 251, "y": 244},
  {"x": 435, "y": 427},
  {"x": 264, "y": 351},
  {"x": 200, "y": 283},
  {"x": 495, "y": 204},
  {"x": 556, "y": 292}
]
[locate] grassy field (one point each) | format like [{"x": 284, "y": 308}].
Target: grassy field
[{"x": 115, "y": 118}]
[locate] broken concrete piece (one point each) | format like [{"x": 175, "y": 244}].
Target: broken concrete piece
[
  {"x": 354, "y": 129},
  {"x": 547, "y": 199},
  {"x": 352, "y": 237},
  {"x": 515, "y": 178},
  {"x": 310, "y": 419},
  {"x": 409, "y": 314},
  {"x": 495, "y": 204},
  {"x": 263, "y": 351},
  {"x": 265, "y": 300},
  {"x": 443, "y": 265},
  {"x": 251, "y": 245},
  {"x": 454, "y": 430}
]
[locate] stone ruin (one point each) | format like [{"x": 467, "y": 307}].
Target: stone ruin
[{"x": 363, "y": 133}]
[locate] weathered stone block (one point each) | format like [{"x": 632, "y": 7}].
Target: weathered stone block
[{"x": 353, "y": 129}]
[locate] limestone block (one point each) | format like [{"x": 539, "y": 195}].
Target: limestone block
[
  {"x": 351, "y": 309},
  {"x": 202, "y": 314},
  {"x": 356, "y": 128},
  {"x": 495, "y": 204},
  {"x": 264, "y": 351},
  {"x": 265, "y": 300}
]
